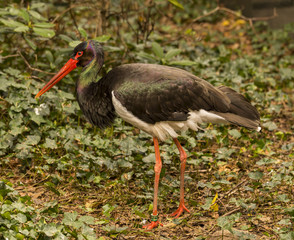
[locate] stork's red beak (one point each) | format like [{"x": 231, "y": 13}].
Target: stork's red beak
[{"x": 66, "y": 69}]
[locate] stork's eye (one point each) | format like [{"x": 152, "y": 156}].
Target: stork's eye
[{"x": 79, "y": 54}]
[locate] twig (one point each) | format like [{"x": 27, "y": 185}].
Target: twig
[
  {"x": 220, "y": 200},
  {"x": 66, "y": 10},
  {"x": 30, "y": 67},
  {"x": 234, "y": 189},
  {"x": 250, "y": 20},
  {"x": 146, "y": 29},
  {"x": 211, "y": 229},
  {"x": 150, "y": 31},
  {"x": 232, "y": 211},
  {"x": 2, "y": 99},
  {"x": 198, "y": 171},
  {"x": 9, "y": 56},
  {"x": 35, "y": 77},
  {"x": 74, "y": 21},
  {"x": 136, "y": 32},
  {"x": 192, "y": 171},
  {"x": 205, "y": 15},
  {"x": 265, "y": 229}
]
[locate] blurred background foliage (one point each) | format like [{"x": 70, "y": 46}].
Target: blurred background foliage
[{"x": 46, "y": 144}]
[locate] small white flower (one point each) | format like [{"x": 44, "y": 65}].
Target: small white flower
[
  {"x": 144, "y": 222},
  {"x": 40, "y": 108},
  {"x": 37, "y": 111},
  {"x": 43, "y": 105}
]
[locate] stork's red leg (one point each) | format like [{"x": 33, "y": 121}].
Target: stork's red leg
[
  {"x": 157, "y": 169},
  {"x": 183, "y": 158}
]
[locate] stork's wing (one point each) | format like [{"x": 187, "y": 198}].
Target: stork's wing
[{"x": 156, "y": 93}]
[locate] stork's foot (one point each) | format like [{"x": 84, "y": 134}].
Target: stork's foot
[
  {"x": 152, "y": 225},
  {"x": 180, "y": 210}
]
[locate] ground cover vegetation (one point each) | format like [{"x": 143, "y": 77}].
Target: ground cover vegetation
[{"x": 61, "y": 178}]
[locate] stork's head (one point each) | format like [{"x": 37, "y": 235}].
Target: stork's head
[{"x": 83, "y": 55}]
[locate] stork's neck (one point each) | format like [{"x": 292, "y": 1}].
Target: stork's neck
[
  {"x": 94, "y": 98},
  {"x": 88, "y": 75}
]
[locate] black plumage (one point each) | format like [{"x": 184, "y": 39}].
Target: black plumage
[
  {"x": 155, "y": 93},
  {"x": 95, "y": 102}
]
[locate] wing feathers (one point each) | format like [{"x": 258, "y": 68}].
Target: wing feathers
[{"x": 155, "y": 93}]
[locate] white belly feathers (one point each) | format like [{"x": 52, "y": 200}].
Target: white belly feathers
[{"x": 166, "y": 129}]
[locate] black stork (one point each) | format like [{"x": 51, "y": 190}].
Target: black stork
[{"x": 162, "y": 101}]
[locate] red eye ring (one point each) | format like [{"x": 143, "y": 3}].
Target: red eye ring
[{"x": 80, "y": 53}]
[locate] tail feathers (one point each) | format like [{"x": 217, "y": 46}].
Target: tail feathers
[
  {"x": 241, "y": 112},
  {"x": 239, "y": 120}
]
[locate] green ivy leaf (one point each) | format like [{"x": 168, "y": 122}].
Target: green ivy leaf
[
  {"x": 74, "y": 43},
  {"x": 103, "y": 38},
  {"x": 20, "y": 236},
  {"x": 157, "y": 50},
  {"x": 11, "y": 23},
  {"x": 36, "y": 118},
  {"x": 4, "y": 84},
  {"x": 265, "y": 161},
  {"x": 24, "y": 14},
  {"x": 37, "y": 5},
  {"x": 149, "y": 159},
  {"x": 183, "y": 63},
  {"x": 49, "y": 56},
  {"x": 83, "y": 32},
  {"x": 33, "y": 139},
  {"x": 69, "y": 218},
  {"x": 147, "y": 56},
  {"x": 235, "y": 133},
  {"x": 30, "y": 43},
  {"x": 285, "y": 222},
  {"x": 51, "y": 186},
  {"x": 50, "y": 230},
  {"x": 21, "y": 29},
  {"x": 176, "y": 3},
  {"x": 87, "y": 219},
  {"x": 20, "y": 217},
  {"x": 107, "y": 209},
  {"x": 139, "y": 213},
  {"x": 284, "y": 198},
  {"x": 227, "y": 222},
  {"x": 37, "y": 15},
  {"x": 271, "y": 126},
  {"x": 65, "y": 38},
  {"x": 255, "y": 175},
  {"x": 207, "y": 203},
  {"x": 50, "y": 143},
  {"x": 44, "y": 32},
  {"x": 124, "y": 164},
  {"x": 172, "y": 53}
]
